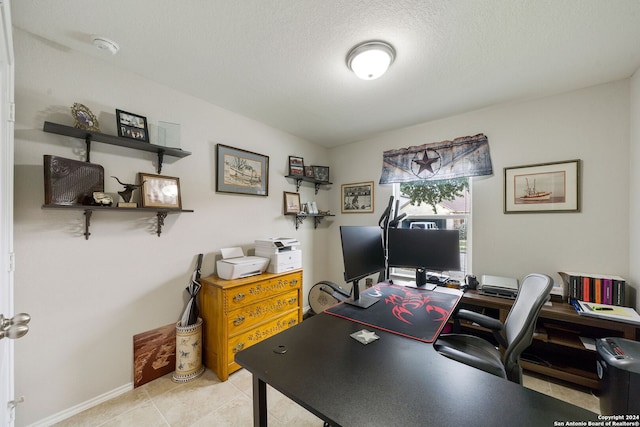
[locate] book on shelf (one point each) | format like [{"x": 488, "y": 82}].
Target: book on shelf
[
  {"x": 596, "y": 288},
  {"x": 606, "y": 311}
]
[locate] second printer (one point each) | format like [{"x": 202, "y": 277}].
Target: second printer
[{"x": 283, "y": 253}]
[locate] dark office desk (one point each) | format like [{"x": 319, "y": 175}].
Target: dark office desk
[{"x": 394, "y": 381}]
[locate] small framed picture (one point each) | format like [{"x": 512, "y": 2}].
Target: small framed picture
[
  {"x": 132, "y": 126},
  {"x": 296, "y": 165},
  {"x": 357, "y": 197},
  {"x": 544, "y": 187},
  {"x": 321, "y": 173},
  {"x": 84, "y": 118},
  {"x": 308, "y": 171},
  {"x": 159, "y": 191},
  {"x": 291, "y": 203}
]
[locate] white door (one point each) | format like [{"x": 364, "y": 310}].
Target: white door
[{"x": 6, "y": 210}]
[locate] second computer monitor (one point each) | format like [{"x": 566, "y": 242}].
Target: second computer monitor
[{"x": 424, "y": 250}]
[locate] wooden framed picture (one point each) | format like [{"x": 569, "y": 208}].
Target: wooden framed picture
[
  {"x": 543, "y": 187},
  {"x": 159, "y": 191},
  {"x": 321, "y": 173},
  {"x": 291, "y": 203},
  {"x": 132, "y": 126},
  {"x": 242, "y": 172},
  {"x": 357, "y": 197},
  {"x": 296, "y": 165}
]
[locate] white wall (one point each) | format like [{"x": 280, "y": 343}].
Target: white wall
[
  {"x": 590, "y": 124},
  {"x": 88, "y": 298}
]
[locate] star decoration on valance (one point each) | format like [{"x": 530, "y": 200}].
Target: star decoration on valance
[{"x": 425, "y": 163}]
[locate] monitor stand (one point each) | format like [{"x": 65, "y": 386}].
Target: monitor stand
[{"x": 362, "y": 301}]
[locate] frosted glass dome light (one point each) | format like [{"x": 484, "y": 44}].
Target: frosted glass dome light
[{"x": 370, "y": 60}]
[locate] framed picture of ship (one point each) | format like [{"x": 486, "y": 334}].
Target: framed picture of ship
[
  {"x": 240, "y": 171},
  {"x": 543, "y": 187}
]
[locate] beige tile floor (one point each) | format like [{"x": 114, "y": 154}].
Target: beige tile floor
[{"x": 209, "y": 402}]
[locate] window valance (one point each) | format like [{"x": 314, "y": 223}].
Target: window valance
[{"x": 463, "y": 157}]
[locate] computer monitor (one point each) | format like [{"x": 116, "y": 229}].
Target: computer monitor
[
  {"x": 363, "y": 255},
  {"x": 424, "y": 250}
]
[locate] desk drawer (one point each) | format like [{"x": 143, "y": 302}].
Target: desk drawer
[
  {"x": 247, "y": 294},
  {"x": 262, "y": 332},
  {"x": 245, "y": 317}
]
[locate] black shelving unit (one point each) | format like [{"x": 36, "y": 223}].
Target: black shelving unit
[
  {"x": 317, "y": 218},
  {"x": 90, "y": 136},
  {"x": 161, "y": 214},
  {"x": 300, "y": 179}
]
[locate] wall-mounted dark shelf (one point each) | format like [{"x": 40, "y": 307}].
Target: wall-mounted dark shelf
[
  {"x": 161, "y": 214},
  {"x": 89, "y": 136},
  {"x": 317, "y": 218},
  {"x": 299, "y": 179}
]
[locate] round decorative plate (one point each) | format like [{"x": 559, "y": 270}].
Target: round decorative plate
[{"x": 84, "y": 118}]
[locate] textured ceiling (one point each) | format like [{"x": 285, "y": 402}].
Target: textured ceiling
[{"x": 282, "y": 62}]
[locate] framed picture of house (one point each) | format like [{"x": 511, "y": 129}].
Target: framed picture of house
[
  {"x": 242, "y": 172},
  {"x": 357, "y": 197},
  {"x": 543, "y": 187}
]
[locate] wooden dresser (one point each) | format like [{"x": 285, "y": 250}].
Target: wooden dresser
[{"x": 240, "y": 313}]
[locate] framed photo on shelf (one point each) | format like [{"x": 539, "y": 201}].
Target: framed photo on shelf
[
  {"x": 296, "y": 165},
  {"x": 159, "y": 191},
  {"x": 241, "y": 172},
  {"x": 543, "y": 187},
  {"x": 308, "y": 171},
  {"x": 357, "y": 197},
  {"x": 291, "y": 203},
  {"x": 132, "y": 126},
  {"x": 321, "y": 173}
]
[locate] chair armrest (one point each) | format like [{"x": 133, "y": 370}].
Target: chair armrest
[
  {"x": 480, "y": 319},
  {"x": 486, "y": 322}
]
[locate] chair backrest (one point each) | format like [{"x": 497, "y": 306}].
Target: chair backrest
[{"x": 520, "y": 322}]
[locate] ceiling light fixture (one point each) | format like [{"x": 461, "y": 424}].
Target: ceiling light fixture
[
  {"x": 371, "y": 59},
  {"x": 104, "y": 43}
]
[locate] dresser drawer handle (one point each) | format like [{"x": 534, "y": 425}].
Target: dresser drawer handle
[
  {"x": 292, "y": 300},
  {"x": 238, "y": 347},
  {"x": 239, "y": 297},
  {"x": 293, "y": 282},
  {"x": 238, "y": 321},
  {"x": 292, "y": 322}
]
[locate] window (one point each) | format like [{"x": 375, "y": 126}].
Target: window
[{"x": 452, "y": 214}]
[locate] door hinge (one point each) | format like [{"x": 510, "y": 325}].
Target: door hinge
[
  {"x": 12, "y": 262},
  {"x": 12, "y": 112}
]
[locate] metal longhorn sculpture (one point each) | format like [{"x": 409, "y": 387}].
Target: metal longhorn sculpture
[{"x": 128, "y": 189}]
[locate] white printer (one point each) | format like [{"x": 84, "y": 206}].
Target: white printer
[
  {"x": 283, "y": 253},
  {"x": 235, "y": 265}
]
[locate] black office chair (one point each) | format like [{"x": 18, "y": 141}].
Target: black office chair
[{"x": 514, "y": 336}]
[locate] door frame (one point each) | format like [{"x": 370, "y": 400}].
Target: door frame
[{"x": 7, "y": 264}]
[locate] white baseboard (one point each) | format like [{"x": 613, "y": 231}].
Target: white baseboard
[{"x": 68, "y": 413}]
